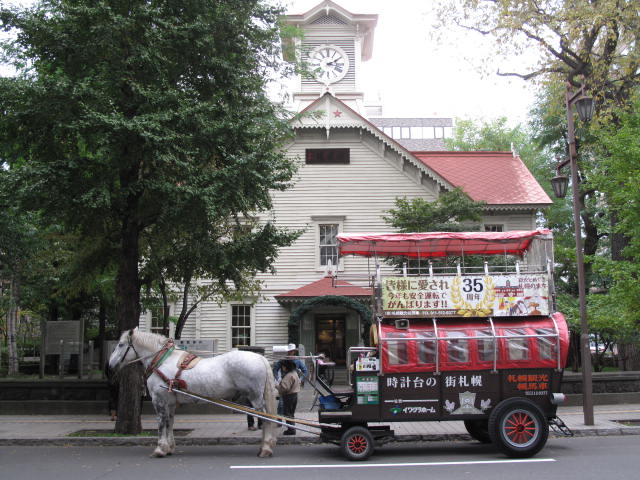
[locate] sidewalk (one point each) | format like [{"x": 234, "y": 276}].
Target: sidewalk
[{"x": 231, "y": 428}]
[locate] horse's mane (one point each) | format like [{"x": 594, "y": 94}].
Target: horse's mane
[{"x": 149, "y": 340}]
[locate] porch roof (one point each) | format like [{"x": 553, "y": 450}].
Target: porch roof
[{"x": 324, "y": 286}]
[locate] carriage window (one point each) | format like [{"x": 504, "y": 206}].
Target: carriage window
[
  {"x": 457, "y": 347},
  {"x": 398, "y": 352},
  {"x": 426, "y": 348},
  {"x": 546, "y": 345},
  {"x": 240, "y": 325},
  {"x": 485, "y": 345},
  {"x": 517, "y": 348}
]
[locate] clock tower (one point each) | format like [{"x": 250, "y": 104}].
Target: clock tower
[{"x": 334, "y": 43}]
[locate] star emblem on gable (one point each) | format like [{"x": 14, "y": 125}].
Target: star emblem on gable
[{"x": 337, "y": 114}]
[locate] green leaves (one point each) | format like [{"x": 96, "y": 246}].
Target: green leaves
[
  {"x": 143, "y": 127},
  {"x": 447, "y": 213}
]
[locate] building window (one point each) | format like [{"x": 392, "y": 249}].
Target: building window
[
  {"x": 416, "y": 132},
  {"x": 240, "y": 325},
  {"x": 157, "y": 320},
  {"x": 326, "y": 156},
  {"x": 493, "y": 228},
  {"x": 328, "y": 244}
]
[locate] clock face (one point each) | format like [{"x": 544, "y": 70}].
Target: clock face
[{"x": 330, "y": 63}]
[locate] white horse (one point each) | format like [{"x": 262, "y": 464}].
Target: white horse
[{"x": 233, "y": 374}]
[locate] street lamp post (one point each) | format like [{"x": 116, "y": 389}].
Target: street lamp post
[{"x": 584, "y": 106}]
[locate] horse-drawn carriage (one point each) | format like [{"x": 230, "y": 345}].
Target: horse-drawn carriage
[
  {"x": 472, "y": 341},
  {"x": 467, "y": 332}
]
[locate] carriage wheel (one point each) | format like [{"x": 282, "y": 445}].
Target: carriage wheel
[
  {"x": 478, "y": 429},
  {"x": 357, "y": 443},
  {"x": 518, "y": 428}
]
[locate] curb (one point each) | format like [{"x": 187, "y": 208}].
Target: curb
[{"x": 208, "y": 441}]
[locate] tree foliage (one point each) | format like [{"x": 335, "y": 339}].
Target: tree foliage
[
  {"x": 447, "y": 214},
  {"x": 597, "y": 40},
  {"x": 595, "y": 44},
  {"x": 618, "y": 176},
  {"x": 135, "y": 118}
]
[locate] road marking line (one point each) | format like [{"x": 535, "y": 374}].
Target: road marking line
[{"x": 373, "y": 465}]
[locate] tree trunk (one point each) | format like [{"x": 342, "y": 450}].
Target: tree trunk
[
  {"x": 131, "y": 378},
  {"x": 102, "y": 328},
  {"x": 12, "y": 324},
  {"x": 184, "y": 311},
  {"x": 131, "y": 389},
  {"x": 165, "y": 307}
]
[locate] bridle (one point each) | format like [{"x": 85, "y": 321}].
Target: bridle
[{"x": 129, "y": 347}]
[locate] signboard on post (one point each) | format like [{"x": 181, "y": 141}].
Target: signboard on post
[
  {"x": 64, "y": 336},
  {"x": 466, "y": 296},
  {"x": 203, "y": 347}
]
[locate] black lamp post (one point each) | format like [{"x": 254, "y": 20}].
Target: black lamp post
[{"x": 585, "y": 107}]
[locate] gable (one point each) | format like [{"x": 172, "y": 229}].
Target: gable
[{"x": 330, "y": 115}]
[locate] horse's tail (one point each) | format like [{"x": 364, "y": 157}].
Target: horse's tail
[
  {"x": 270, "y": 402},
  {"x": 269, "y": 437}
]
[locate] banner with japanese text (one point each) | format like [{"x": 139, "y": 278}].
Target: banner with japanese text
[{"x": 466, "y": 296}]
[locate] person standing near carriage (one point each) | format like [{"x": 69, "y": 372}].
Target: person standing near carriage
[
  {"x": 288, "y": 389},
  {"x": 300, "y": 367}
]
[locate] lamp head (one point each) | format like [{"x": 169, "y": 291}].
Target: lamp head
[
  {"x": 559, "y": 183},
  {"x": 585, "y": 107}
]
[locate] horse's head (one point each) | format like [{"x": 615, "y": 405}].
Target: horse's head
[{"x": 124, "y": 351}]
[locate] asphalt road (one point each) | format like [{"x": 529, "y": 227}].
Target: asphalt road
[{"x": 563, "y": 458}]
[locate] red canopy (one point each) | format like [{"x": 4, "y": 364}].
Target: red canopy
[{"x": 438, "y": 244}]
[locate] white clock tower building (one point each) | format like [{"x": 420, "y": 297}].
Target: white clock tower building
[{"x": 335, "y": 42}]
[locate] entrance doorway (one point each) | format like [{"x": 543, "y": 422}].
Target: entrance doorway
[{"x": 330, "y": 336}]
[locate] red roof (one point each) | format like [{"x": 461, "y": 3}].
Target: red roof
[
  {"x": 323, "y": 287},
  {"x": 438, "y": 244},
  {"x": 498, "y": 178}
]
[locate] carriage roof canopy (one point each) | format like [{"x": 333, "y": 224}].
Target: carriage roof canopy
[{"x": 439, "y": 244}]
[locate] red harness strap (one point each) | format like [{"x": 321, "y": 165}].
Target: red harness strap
[
  {"x": 184, "y": 364},
  {"x": 160, "y": 357}
]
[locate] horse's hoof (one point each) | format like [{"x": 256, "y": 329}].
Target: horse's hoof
[
  {"x": 157, "y": 453},
  {"x": 265, "y": 453}
]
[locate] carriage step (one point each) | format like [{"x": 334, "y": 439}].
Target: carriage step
[{"x": 558, "y": 426}]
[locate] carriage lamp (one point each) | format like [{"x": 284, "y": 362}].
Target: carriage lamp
[{"x": 585, "y": 107}]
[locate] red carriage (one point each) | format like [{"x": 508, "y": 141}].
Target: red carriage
[{"x": 476, "y": 340}]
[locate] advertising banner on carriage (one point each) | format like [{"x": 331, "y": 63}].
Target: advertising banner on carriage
[
  {"x": 430, "y": 396},
  {"x": 466, "y": 296}
]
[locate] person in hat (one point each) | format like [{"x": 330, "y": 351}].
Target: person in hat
[
  {"x": 299, "y": 364},
  {"x": 278, "y": 373},
  {"x": 288, "y": 389}
]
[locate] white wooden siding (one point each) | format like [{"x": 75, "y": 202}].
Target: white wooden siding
[{"x": 360, "y": 193}]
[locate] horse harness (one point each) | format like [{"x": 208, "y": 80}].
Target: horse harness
[{"x": 187, "y": 361}]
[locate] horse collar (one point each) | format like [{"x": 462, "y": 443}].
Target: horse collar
[{"x": 161, "y": 356}]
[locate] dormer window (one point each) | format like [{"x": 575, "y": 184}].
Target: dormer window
[{"x": 327, "y": 156}]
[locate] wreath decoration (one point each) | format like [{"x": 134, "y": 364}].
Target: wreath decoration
[
  {"x": 339, "y": 300},
  {"x": 482, "y": 309}
]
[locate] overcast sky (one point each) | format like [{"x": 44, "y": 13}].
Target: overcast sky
[{"x": 415, "y": 76}]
